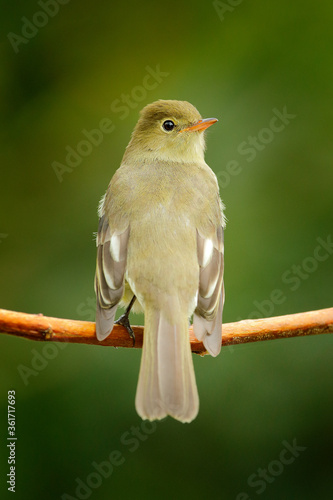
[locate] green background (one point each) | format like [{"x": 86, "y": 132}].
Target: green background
[{"x": 79, "y": 407}]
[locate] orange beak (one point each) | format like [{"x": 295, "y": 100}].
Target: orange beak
[{"x": 201, "y": 125}]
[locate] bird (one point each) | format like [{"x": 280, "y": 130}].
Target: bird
[{"x": 160, "y": 246}]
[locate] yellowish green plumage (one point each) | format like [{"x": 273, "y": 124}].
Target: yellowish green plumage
[{"x": 161, "y": 228}]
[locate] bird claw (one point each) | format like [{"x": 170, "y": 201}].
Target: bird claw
[{"x": 124, "y": 321}]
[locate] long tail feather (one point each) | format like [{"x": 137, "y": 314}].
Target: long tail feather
[{"x": 167, "y": 383}]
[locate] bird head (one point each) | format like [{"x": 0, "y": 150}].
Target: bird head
[{"x": 169, "y": 131}]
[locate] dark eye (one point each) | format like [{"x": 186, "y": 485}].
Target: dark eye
[{"x": 168, "y": 125}]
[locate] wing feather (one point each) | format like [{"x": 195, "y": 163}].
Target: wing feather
[
  {"x": 207, "y": 321},
  {"x": 109, "y": 277}
]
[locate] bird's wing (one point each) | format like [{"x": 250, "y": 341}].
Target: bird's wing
[
  {"x": 207, "y": 321},
  {"x": 109, "y": 277}
]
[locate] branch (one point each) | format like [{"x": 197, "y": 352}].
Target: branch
[{"x": 43, "y": 328}]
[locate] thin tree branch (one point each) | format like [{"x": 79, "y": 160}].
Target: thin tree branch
[{"x": 43, "y": 328}]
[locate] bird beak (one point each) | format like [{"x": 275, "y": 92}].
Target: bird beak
[{"x": 200, "y": 126}]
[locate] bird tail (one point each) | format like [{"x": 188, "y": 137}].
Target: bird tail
[{"x": 166, "y": 383}]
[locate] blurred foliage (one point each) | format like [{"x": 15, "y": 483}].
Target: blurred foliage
[{"x": 79, "y": 407}]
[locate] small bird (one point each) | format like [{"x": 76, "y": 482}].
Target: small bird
[{"x": 160, "y": 247}]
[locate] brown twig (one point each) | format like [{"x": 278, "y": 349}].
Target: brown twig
[{"x": 43, "y": 328}]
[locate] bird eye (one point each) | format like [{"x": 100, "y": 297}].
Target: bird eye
[{"x": 168, "y": 125}]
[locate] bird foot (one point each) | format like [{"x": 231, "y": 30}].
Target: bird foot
[{"x": 124, "y": 321}]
